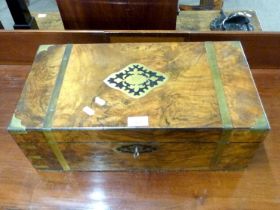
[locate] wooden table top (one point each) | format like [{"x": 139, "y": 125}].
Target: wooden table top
[
  {"x": 48, "y": 21},
  {"x": 200, "y": 20},
  {"x": 257, "y": 187},
  {"x": 186, "y": 20}
]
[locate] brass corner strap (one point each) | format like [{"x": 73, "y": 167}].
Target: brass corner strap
[
  {"x": 261, "y": 123},
  {"x": 52, "y": 107},
  {"x": 16, "y": 125},
  {"x": 222, "y": 102},
  {"x": 56, "y": 151},
  {"x": 221, "y": 144}
]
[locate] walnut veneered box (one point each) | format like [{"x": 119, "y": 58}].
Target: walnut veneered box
[{"x": 140, "y": 106}]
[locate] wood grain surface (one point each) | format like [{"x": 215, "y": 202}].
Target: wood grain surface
[
  {"x": 33, "y": 104},
  {"x": 166, "y": 156},
  {"x": 191, "y": 83},
  {"x": 21, "y": 187}
]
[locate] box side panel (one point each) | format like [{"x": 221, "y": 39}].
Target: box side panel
[
  {"x": 235, "y": 148},
  {"x": 32, "y": 106},
  {"x": 37, "y": 150},
  {"x": 248, "y": 135},
  {"x": 242, "y": 98},
  {"x": 236, "y": 156}
]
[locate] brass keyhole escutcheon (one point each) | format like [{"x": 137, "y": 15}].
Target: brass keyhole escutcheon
[{"x": 136, "y": 149}]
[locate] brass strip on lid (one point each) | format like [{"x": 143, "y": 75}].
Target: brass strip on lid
[
  {"x": 218, "y": 84},
  {"x": 52, "y": 108},
  {"x": 57, "y": 87}
]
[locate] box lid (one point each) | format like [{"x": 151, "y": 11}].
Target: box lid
[{"x": 140, "y": 85}]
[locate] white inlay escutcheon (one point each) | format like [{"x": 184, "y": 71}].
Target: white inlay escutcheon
[
  {"x": 89, "y": 111},
  {"x": 138, "y": 121},
  {"x": 99, "y": 101}
]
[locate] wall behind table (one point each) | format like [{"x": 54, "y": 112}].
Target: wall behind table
[{"x": 19, "y": 47}]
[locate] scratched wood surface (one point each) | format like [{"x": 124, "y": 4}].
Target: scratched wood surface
[
  {"x": 21, "y": 187},
  {"x": 191, "y": 83}
]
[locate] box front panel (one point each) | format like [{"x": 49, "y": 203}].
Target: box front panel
[
  {"x": 46, "y": 154},
  {"x": 137, "y": 156}
]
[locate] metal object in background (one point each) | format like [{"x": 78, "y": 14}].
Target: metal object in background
[
  {"x": 238, "y": 21},
  {"x": 1, "y": 26},
  {"x": 21, "y": 15}
]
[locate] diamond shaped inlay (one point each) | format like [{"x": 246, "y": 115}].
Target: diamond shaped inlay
[{"x": 135, "y": 80}]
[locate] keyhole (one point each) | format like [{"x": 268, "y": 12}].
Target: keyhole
[{"x": 136, "y": 153}]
